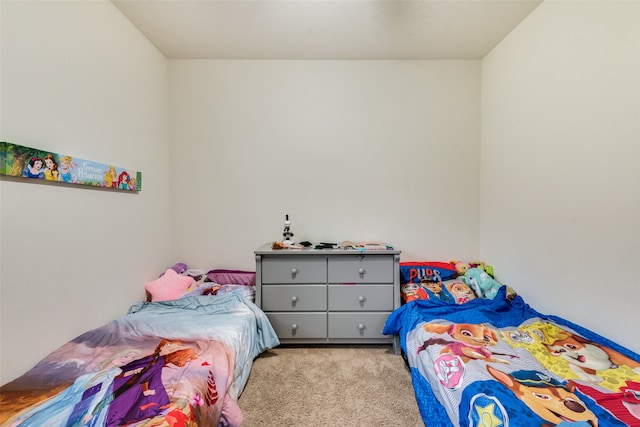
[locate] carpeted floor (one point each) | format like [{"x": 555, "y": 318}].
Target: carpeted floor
[{"x": 329, "y": 386}]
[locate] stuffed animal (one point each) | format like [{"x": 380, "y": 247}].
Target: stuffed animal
[
  {"x": 484, "y": 267},
  {"x": 481, "y": 282},
  {"x": 461, "y": 267},
  {"x": 180, "y": 268},
  {"x": 169, "y": 286}
]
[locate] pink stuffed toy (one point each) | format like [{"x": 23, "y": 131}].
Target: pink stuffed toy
[{"x": 169, "y": 286}]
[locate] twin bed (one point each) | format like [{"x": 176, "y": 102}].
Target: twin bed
[
  {"x": 496, "y": 361},
  {"x": 175, "y": 362},
  {"x": 477, "y": 353}
]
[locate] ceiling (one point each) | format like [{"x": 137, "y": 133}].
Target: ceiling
[{"x": 325, "y": 29}]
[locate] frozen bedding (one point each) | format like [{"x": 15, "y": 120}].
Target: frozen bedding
[
  {"x": 499, "y": 362},
  {"x": 180, "y": 362}
]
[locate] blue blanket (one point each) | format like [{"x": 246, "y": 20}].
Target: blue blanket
[{"x": 501, "y": 362}]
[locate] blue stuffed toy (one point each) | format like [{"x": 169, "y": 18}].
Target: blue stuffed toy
[{"x": 481, "y": 282}]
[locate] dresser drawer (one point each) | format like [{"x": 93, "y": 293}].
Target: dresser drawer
[
  {"x": 294, "y": 269},
  {"x": 357, "y": 325},
  {"x": 361, "y": 269},
  {"x": 328, "y": 296},
  {"x": 294, "y": 297},
  {"x": 361, "y": 297},
  {"x": 299, "y": 325}
]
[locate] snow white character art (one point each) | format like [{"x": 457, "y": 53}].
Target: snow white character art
[{"x": 34, "y": 168}]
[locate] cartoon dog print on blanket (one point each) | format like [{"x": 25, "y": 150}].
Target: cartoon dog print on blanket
[
  {"x": 587, "y": 358},
  {"x": 471, "y": 341},
  {"x": 468, "y": 342},
  {"x": 548, "y": 398},
  {"x": 573, "y": 357}
]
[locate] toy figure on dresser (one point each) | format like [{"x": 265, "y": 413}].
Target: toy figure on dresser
[{"x": 287, "y": 232}]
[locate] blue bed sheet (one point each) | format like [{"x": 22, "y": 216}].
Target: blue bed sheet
[{"x": 501, "y": 362}]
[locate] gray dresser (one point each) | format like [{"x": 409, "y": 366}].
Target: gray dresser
[{"x": 332, "y": 296}]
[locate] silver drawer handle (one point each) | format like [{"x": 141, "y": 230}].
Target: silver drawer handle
[
  {"x": 361, "y": 326},
  {"x": 294, "y": 327},
  {"x": 294, "y": 299},
  {"x": 361, "y": 270},
  {"x": 294, "y": 271},
  {"x": 361, "y": 298}
]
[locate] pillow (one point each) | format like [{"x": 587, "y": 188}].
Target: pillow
[
  {"x": 235, "y": 277},
  {"x": 451, "y": 291},
  {"x": 459, "y": 290},
  {"x": 216, "y": 289},
  {"x": 417, "y": 272},
  {"x": 169, "y": 286},
  {"x": 413, "y": 291},
  {"x": 437, "y": 291}
]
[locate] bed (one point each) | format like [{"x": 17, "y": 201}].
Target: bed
[
  {"x": 493, "y": 360},
  {"x": 170, "y": 362}
]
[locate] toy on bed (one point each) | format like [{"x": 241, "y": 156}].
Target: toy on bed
[
  {"x": 481, "y": 282},
  {"x": 449, "y": 282},
  {"x": 462, "y": 267},
  {"x": 177, "y": 282},
  {"x": 169, "y": 286}
]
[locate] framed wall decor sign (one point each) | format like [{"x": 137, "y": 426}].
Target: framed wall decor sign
[{"x": 33, "y": 163}]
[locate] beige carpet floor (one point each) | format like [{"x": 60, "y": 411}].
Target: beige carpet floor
[{"x": 329, "y": 386}]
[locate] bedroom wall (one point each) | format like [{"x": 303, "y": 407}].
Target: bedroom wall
[
  {"x": 351, "y": 150},
  {"x": 78, "y": 78},
  {"x": 560, "y": 178}
]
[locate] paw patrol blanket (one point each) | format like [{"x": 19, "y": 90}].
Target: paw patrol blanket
[
  {"x": 502, "y": 363},
  {"x": 172, "y": 363}
]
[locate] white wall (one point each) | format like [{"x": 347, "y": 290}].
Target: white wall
[
  {"x": 380, "y": 150},
  {"x": 560, "y": 177},
  {"x": 351, "y": 150},
  {"x": 77, "y": 78}
]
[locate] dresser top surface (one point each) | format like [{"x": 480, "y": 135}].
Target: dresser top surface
[{"x": 266, "y": 249}]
